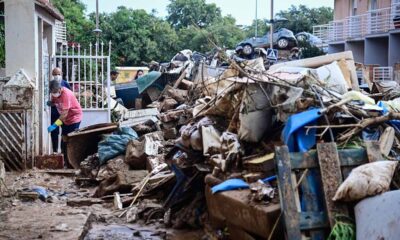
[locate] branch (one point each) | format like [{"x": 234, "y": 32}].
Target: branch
[{"x": 369, "y": 121}]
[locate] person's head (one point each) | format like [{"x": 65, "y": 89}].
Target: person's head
[
  {"x": 114, "y": 75},
  {"x": 139, "y": 74},
  {"x": 57, "y": 74},
  {"x": 55, "y": 88}
]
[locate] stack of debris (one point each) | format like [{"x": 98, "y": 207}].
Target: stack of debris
[{"x": 209, "y": 141}]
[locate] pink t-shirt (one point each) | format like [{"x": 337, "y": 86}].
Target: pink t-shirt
[{"x": 68, "y": 102}]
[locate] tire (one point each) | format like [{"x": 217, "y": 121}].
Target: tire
[
  {"x": 247, "y": 49},
  {"x": 283, "y": 43},
  {"x": 301, "y": 38}
]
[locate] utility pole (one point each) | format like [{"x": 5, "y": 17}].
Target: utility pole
[
  {"x": 97, "y": 31},
  {"x": 256, "y": 18},
  {"x": 271, "y": 29},
  {"x": 97, "y": 14}
]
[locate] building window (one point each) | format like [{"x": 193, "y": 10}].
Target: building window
[
  {"x": 353, "y": 7},
  {"x": 373, "y": 4}
]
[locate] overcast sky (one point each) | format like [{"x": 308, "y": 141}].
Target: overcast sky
[{"x": 242, "y": 10}]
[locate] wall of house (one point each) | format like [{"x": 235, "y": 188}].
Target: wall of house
[
  {"x": 20, "y": 37},
  {"x": 377, "y": 51},
  {"x": 342, "y": 7}
]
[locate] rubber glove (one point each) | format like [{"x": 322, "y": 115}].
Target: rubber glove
[{"x": 55, "y": 125}]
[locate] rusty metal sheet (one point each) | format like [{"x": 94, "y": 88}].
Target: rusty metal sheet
[{"x": 12, "y": 139}]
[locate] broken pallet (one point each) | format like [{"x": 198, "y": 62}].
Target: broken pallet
[{"x": 326, "y": 168}]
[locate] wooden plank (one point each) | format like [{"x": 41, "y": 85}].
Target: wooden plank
[
  {"x": 313, "y": 220},
  {"x": 348, "y": 158},
  {"x": 373, "y": 151},
  {"x": 331, "y": 178},
  {"x": 286, "y": 192}
]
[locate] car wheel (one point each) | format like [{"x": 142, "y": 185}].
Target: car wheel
[
  {"x": 301, "y": 38},
  {"x": 283, "y": 43},
  {"x": 247, "y": 49}
]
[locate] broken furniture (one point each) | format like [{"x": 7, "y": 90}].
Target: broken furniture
[{"x": 328, "y": 165}]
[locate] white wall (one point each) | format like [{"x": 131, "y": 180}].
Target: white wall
[{"x": 20, "y": 37}]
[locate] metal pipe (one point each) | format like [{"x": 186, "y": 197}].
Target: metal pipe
[
  {"x": 256, "y": 18},
  {"x": 97, "y": 14},
  {"x": 271, "y": 30}
]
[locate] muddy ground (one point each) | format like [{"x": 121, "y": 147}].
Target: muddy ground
[{"x": 24, "y": 218}]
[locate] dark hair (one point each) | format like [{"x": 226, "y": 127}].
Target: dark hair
[
  {"x": 54, "y": 85},
  {"x": 137, "y": 73},
  {"x": 114, "y": 72}
]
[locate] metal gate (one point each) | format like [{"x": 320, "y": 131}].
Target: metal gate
[
  {"x": 13, "y": 145},
  {"x": 88, "y": 73}
]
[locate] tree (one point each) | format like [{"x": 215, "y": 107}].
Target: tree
[
  {"x": 79, "y": 28},
  {"x": 224, "y": 33},
  {"x": 262, "y": 28},
  {"x": 309, "y": 51},
  {"x": 184, "y": 13},
  {"x": 302, "y": 18},
  {"x": 137, "y": 36}
]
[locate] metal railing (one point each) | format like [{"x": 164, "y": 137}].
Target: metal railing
[
  {"x": 373, "y": 22},
  {"x": 61, "y": 32},
  {"x": 88, "y": 74},
  {"x": 357, "y": 26},
  {"x": 322, "y": 31},
  {"x": 337, "y": 30},
  {"x": 395, "y": 15},
  {"x": 379, "y": 20},
  {"x": 383, "y": 74}
]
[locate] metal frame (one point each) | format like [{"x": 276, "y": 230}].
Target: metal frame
[
  {"x": 88, "y": 75},
  {"x": 382, "y": 74}
]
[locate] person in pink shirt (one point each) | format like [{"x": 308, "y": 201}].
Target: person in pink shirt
[{"x": 69, "y": 109}]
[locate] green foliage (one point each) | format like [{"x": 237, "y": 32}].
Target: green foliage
[
  {"x": 224, "y": 33},
  {"x": 309, "y": 51},
  {"x": 137, "y": 36},
  {"x": 302, "y": 18},
  {"x": 262, "y": 28},
  {"x": 79, "y": 28},
  {"x": 184, "y": 13}
]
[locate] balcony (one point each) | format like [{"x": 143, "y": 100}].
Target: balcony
[{"x": 353, "y": 27}]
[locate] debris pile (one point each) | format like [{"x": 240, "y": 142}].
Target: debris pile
[{"x": 221, "y": 133}]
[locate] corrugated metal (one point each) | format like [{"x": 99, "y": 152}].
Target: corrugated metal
[{"x": 12, "y": 139}]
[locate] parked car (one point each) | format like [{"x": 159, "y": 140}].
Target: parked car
[
  {"x": 312, "y": 39},
  {"x": 282, "y": 39}
]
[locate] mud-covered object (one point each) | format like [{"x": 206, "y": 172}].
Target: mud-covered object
[
  {"x": 255, "y": 114},
  {"x": 115, "y": 144},
  {"x": 366, "y": 180}
]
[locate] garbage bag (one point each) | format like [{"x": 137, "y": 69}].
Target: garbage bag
[
  {"x": 366, "y": 180},
  {"x": 115, "y": 144},
  {"x": 255, "y": 114}
]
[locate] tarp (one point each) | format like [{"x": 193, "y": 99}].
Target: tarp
[
  {"x": 147, "y": 80},
  {"x": 115, "y": 144},
  {"x": 294, "y": 133}
]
